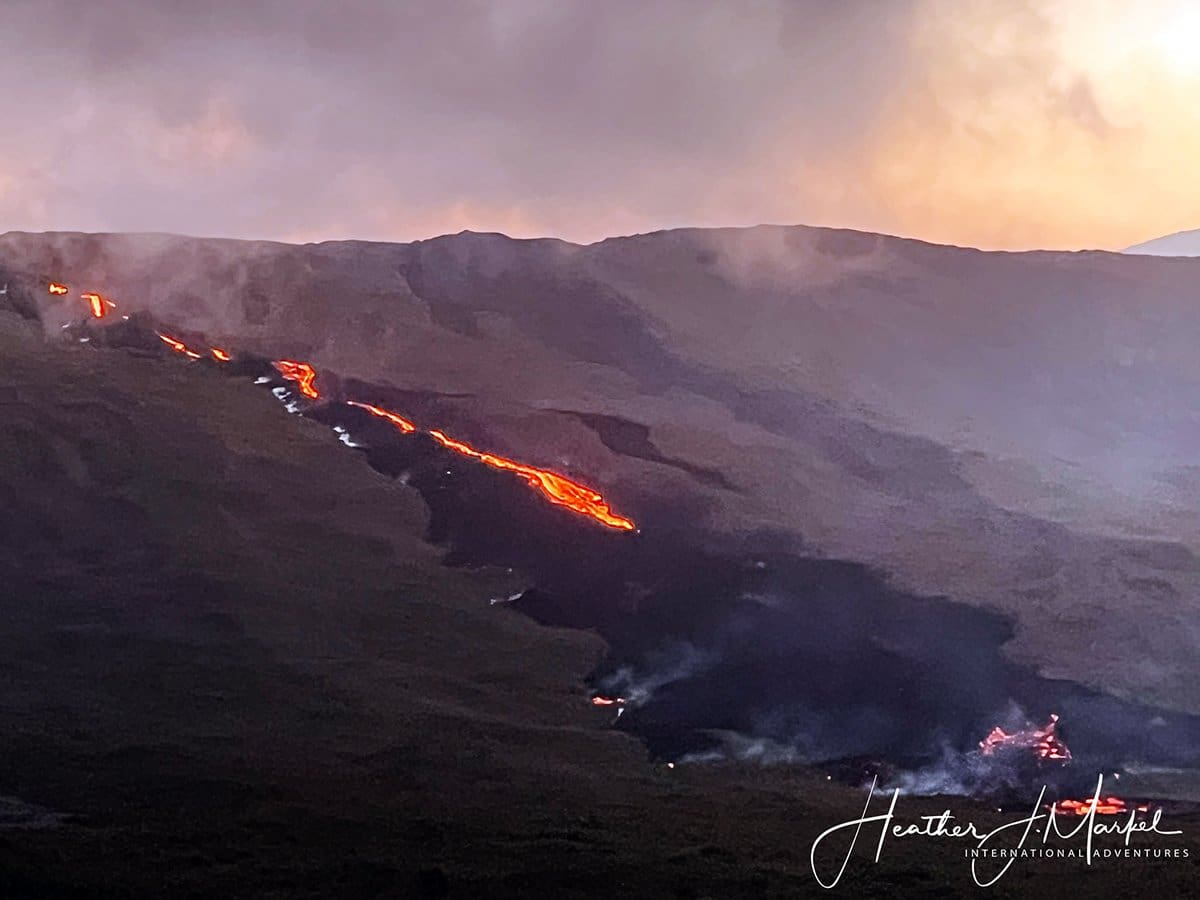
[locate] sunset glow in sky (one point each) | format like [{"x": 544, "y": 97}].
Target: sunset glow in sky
[{"x": 994, "y": 123}]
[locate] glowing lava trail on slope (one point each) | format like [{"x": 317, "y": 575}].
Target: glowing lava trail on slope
[
  {"x": 554, "y": 487},
  {"x": 557, "y": 489},
  {"x": 399, "y": 421},
  {"x": 302, "y": 373},
  {"x": 99, "y": 305},
  {"x": 177, "y": 346}
]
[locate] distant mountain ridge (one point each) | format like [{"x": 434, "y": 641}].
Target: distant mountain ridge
[{"x": 1181, "y": 243}]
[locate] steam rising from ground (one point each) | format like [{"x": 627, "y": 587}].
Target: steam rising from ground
[
  {"x": 670, "y": 665},
  {"x": 745, "y": 749},
  {"x": 958, "y": 772}
]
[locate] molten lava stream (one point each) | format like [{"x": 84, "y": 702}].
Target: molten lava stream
[
  {"x": 399, "y": 421},
  {"x": 608, "y": 701},
  {"x": 557, "y": 489},
  {"x": 177, "y": 346},
  {"x": 300, "y": 372},
  {"x": 99, "y": 305}
]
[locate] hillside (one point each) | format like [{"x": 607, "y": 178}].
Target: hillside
[
  {"x": 1009, "y": 430},
  {"x": 1181, "y": 243},
  {"x": 235, "y": 663}
]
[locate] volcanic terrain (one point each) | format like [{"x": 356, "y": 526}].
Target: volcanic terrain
[{"x": 844, "y": 495}]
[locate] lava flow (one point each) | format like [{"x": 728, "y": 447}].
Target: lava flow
[
  {"x": 177, "y": 346},
  {"x": 99, "y": 305},
  {"x": 557, "y": 489},
  {"x": 1105, "y": 806},
  {"x": 1044, "y": 742},
  {"x": 399, "y": 421},
  {"x": 302, "y": 373},
  {"x": 608, "y": 701}
]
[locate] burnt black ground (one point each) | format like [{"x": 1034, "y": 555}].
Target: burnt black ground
[
  {"x": 823, "y": 657},
  {"x": 820, "y": 655}
]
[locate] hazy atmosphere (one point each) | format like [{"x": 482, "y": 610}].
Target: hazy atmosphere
[{"x": 992, "y": 124}]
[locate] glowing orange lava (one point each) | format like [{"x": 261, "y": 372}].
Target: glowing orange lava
[
  {"x": 1107, "y": 806},
  {"x": 302, "y": 373},
  {"x": 99, "y": 305},
  {"x": 557, "y": 489},
  {"x": 399, "y": 421},
  {"x": 177, "y": 346},
  {"x": 1044, "y": 742},
  {"x": 608, "y": 701}
]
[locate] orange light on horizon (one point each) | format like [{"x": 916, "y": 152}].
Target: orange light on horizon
[
  {"x": 557, "y": 489},
  {"x": 56, "y": 288},
  {"x": 220, "y": 355},
  {"x": 399, "y": 421},
  {"x": 300, "y": 372}
]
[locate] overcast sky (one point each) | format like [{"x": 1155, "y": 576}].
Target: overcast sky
[{"x": 1060, "y": 123}]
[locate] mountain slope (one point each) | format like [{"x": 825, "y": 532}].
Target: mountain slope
[
  {"x": 1181, "y": 243},
  {"x": 211, "y": 612},
  {"x": 1010, "y": 430},
  {"x": 232, "y": 667}
]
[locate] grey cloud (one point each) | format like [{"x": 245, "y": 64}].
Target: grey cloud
[{"x": 276, "y": 119}]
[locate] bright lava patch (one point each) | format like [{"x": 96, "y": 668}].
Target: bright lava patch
[
  {"x": 557, "y": 489},
  {"x": 97, "y": 304},
  {"x": 177, "y": 346},
  {"x": 302, "y": 373}
]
